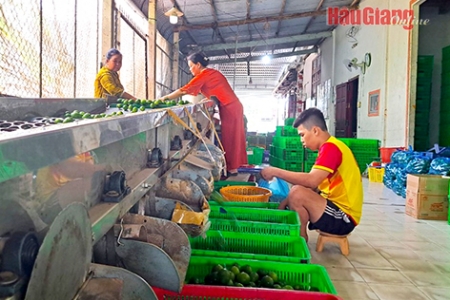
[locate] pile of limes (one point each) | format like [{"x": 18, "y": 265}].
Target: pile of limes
[
  {"x": 72, "y": 116},
  {"x": 143, "y": 104},
  {"x": 244, "y": 276}
]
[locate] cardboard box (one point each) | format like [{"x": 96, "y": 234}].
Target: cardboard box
[
  {"x": 427, "y": 184},
  {"x": 426, "y": 206}
]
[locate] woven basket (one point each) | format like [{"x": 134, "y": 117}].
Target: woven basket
[{"x": 246, "y": 194}]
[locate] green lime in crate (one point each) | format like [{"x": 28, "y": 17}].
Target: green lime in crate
[
  {"x": 306, "y": 277},
  {"x": 255, "y": 227},
  {"x": 254, "y": 214},
  {"x": 251, "y": 246},
  {"x": 267, "y": 205}
]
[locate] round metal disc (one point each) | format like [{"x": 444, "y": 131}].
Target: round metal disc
[{"x": 63, "y": 260}]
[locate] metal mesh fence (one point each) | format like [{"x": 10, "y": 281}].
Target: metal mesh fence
[
  {"x": 48, "y": 48},
  {"x": 87, "y": 47},
  {"x": 58, "y": 45},
  {"x": 133, "y": 73},
  {"x": 20, "y": 48}
]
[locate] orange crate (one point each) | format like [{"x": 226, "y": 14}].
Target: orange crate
[{"x": 246, "y": 193}]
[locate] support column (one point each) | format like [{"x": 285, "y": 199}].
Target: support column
[
  {"x": 175, "y": 62},
  {"x": 107, "y": 28},
  {"x": 151, "y": 49}
]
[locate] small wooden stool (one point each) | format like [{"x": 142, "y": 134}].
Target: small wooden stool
[{"x": 341, "y": 240}]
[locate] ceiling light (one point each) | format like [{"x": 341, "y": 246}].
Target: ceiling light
[
  {"x": 266, "y": 59},
  {"x": 173, "y": 15}
]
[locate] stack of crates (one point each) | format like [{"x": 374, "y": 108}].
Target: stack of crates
[
  {"x": 286, "y": 151},
  {"x": 364, "y": 150},
  {"x": 258, "y": 235},
  {"x": 310, "y": 159},
  {"x": 444, "y": 126},
  {"x": 423, "y": 101}
]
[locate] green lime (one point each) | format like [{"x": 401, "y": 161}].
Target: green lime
[
  {"x": 87, "y": 116},
  {"x": 224, "y": 276},
  {"x": 254, "y": 277},
  {"x": 243, "y": 278},
  {"x": 297, "y": 287},
  {"x": 232, "y": 275},
  {"x": 247, "y": 269},
  {"x": 119, "y": 105},
  {"x": 119, "y": 113},
  {"x": 230, "y": 283},
  {"x": 142, "y": 108},
  {"x": 277, "y": 286},
  {"x": 274, "y": 276},
  {"x": 235, "y": 270},
  {"x": 217, "y": 268},
  {"x": 288, "y": 287},
  {"x": 251, "y": 284},
  {"x": 237, "y": 265},
  {"x": 134, "y": 110},
  {"x": 262, "y": 273},
  {"x": 59, "y": 120},
  {"x": 68, "y": 120},
  {"x": 238, "y": 284},
  {"x": 267, "y": 281}
]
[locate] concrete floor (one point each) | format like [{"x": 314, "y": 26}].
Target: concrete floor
[{"x": 392, "y": 256}]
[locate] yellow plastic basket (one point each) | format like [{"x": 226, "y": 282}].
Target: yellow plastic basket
[
  {"x": 376, "y": 174},
  {"x": 246, "y": 193}
]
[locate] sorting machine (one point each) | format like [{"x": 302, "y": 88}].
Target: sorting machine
[{"x": 86, "y": 207}]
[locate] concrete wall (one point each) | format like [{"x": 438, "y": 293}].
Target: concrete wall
[
  {"x": 432, "y": 38},
  {"x": 388, "y": 46}
]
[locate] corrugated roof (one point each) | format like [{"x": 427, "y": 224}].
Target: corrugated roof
[{"x": 221, "y": 28}]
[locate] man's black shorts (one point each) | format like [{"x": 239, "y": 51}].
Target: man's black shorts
[{"x": 333, "y": 221}]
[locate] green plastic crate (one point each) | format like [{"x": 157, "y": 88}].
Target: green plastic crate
[
  {"x": 255, "y": 227},
  {"x": 255, "y": 155},
  {"x": 220, "y": 184},
  {"x": 251, "y": 246},
  {"x": 308, "y": 276},
  {"x": 254, "y": 214},
  {"x": 286, "y": 165},
  {"x": 287, "y": 154},
  {"x": 286, "y": 131},
  {"x": 365, "y": 145},
  {"x": 287, "y": 142},
  {"x": 289, "y": 121},
  {"x": 268, "y": 205},
  {"x": 311, "y": 156}
]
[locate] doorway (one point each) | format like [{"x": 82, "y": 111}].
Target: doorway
[{"x": 346, "y": 108}]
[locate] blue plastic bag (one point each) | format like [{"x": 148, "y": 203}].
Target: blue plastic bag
[{"x": 279, "y": 188}]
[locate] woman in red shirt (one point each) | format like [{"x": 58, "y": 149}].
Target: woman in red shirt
[{"x": 210, "y": 82}]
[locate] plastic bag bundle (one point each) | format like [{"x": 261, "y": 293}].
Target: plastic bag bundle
[
  {"x": 401, "y": 157},
  {"x": 418, "y": 165},
  {"x": 400, "y": 176},
  {"x": 398, "y": 187},
  {"x": 440, "y": 166}
]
